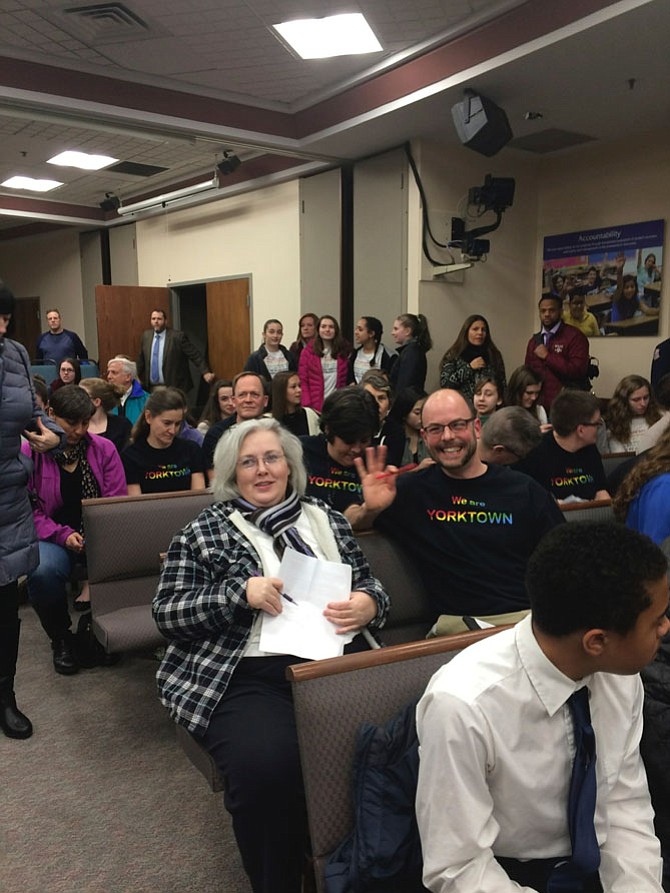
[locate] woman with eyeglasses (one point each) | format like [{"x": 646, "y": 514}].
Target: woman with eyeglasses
[
  {"x": 69, "y": 372},
  {"x": 220, "y": 579}
]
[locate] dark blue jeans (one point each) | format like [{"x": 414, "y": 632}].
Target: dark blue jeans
[{"x": 47, "y": 587}]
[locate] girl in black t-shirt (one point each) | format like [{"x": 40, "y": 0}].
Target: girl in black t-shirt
[{"x": 157, "y": 461}]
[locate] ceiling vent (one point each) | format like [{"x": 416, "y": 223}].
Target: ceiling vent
[
  {"x": 106, "y": 20},
  {"x": 135, "y": 169},
  {"x": 550, "y": 140}
]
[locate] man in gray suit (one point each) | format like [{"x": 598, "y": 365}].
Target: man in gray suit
[{"x": 164, "y": 356}]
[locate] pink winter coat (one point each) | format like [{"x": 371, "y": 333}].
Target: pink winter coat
[{"x": 311, "y": 377}]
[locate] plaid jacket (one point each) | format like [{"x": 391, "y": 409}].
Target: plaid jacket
[{"x": 200, "y": 606}]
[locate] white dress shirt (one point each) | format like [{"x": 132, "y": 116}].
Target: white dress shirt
[{"x": 497, "y": 747}]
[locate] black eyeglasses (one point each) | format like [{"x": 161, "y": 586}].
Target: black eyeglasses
[
  {"x": 597, "y": 424},
  {"x": 456, "y": 427}
]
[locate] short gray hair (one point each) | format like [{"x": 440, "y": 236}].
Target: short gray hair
[
  {"x": 227, "y": 453},
  {"x": 514, "y": 428},
  {"x": 129, "y": 366}
]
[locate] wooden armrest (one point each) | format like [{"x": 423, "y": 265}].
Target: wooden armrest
[
  {"x": 407, "y": 651},
  {"x": 587, "y": 504}
]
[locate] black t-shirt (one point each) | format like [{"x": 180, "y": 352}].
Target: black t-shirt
[
  {"x": 565, "y": 474},
  {"x": 296, "y": 422},
  {"x": 336, "y": 484},
  {"x": 471, "y": 539},
  {"x": 118, "y": 431},
  {"x": 69, "y": 513},
  {"x": 162, "y": 471}
]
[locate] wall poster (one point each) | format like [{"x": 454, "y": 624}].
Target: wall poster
[{"x": 609, "y": 279}]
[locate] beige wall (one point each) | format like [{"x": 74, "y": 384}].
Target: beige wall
[
  {"x": 502, "y": 288},
  {"x": 320, "y": 246},
  {"x": 256, "y": 233},
  {"x": 90, "y": 254},
  {"x": 601, "y": 186},
  {"x": 259, "y": 234},
  {"x": 47, "y": 266}
]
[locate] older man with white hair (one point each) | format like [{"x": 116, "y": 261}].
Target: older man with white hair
[{"x": 122, "y": 371}]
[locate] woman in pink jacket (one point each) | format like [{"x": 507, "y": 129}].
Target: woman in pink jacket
[
  {"x": 89, "y": 466},
  {"x": 324, "y": 363}
]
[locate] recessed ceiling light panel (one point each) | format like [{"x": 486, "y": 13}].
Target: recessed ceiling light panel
[
  {"x": 82, "y": 160},
  {"x": 31, "y": 183},
  {"x": 339, "y": 35}
]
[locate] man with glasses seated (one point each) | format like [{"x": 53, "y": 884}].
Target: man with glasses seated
[
  {"x": 471, "y": 527},
  {"x": 567, "y": 462}
]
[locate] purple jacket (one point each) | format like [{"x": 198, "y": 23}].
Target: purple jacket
[{"x": 45, "y": 484}]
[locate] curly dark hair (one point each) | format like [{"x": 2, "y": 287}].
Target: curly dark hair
[
  {"x": 619, "y": 416},
  {"x": 656, "y": 461}
]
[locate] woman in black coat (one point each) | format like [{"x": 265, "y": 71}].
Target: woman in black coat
[
  {"x": 19, "y": 554},
  {"x": 413, "y": 341}
]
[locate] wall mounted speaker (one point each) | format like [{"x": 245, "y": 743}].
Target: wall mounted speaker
[{"x": 481, "y": 125}]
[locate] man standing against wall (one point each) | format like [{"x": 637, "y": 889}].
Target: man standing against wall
[
  {"x": 165, "y": 354},
  {"x": 58, "y": 343},
  {"x": 559, "y": 354}
]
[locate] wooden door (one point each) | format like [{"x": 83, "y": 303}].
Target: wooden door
[
  {"x": 25, "y": 325},
  {"x": 123, "y": 313},
  {"x": 228, "y": 326}
]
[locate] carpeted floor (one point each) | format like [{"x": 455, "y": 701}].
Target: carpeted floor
[{"x": 101, "y": 799}]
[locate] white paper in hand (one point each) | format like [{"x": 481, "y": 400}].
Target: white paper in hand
[{"x": 301, "y": 628}]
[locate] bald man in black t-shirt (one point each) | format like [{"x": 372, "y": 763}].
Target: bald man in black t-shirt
[{"x": 471, "y": 527}]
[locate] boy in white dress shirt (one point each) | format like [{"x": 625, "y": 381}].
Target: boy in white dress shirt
[{"x": 497, "y": 736}]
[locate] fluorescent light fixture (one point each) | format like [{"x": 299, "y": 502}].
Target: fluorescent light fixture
[
  {"x": 340, "y": 35},
  {"x": 166, "y": 198},
  {"x": 30, "y": 183},
  {"x": 82, "y": 160}
]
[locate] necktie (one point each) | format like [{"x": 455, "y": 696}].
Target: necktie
[
  {"x": 547, "y": 337},
  {"x": 155, "y": 372},
  {"x": 581, "y": 803}
]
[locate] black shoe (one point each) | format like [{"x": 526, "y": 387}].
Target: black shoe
[
  {"x": 64, "y": 659},
  {"x": 81, "y": 606},
  {"x": 12, "y": 722}
]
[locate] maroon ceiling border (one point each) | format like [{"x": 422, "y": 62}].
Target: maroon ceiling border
[{"x": 514, "y": 28}]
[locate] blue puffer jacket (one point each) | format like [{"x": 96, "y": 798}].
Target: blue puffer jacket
[
  {"x": 18, "y": 544},
  {"x": 383, "y": 852}
]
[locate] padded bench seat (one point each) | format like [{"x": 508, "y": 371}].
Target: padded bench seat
[{"x": 125, "y": 537}]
